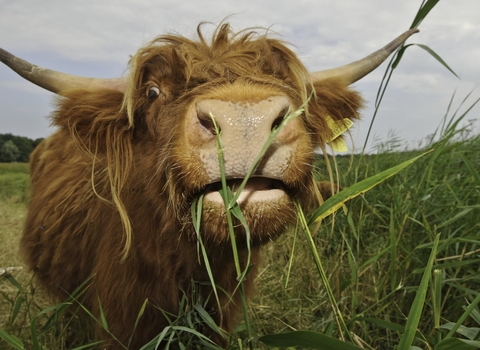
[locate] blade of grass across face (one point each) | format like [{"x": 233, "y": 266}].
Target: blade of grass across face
[
  {"x": 227, "y": 196},
  {"x": 232, "y": 207},
  {"x": 273, "y": 134},
  {"x": 338, "y": 200},
  {"x": 196, "y": 208}
]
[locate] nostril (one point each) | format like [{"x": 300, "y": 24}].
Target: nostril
[
  {"x": 281, "y": 116},
  {"x": 276, "y": 123},
  {"x": 207, "y": 122}
]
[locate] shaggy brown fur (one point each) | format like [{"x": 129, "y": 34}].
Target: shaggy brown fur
[{"x": 112, "y": 188}]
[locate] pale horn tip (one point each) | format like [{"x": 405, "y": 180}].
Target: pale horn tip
[{"x": 352, "y": 72}]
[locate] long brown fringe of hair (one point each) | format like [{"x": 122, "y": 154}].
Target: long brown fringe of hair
[{"x": 227, "y": 57}]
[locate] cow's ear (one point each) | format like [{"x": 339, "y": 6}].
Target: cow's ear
[
  {"x": 92, "y": 118},
  {"x": 332, "y": 110}
]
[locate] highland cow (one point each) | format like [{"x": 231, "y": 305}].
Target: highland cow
[{"x": 112, "y": 188}]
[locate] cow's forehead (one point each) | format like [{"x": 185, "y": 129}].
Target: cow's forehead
[{"x": 247, "y": 92}]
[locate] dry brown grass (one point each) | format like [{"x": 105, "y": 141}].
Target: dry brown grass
[
  {"x": 12, "y": 215},
  {"x": 13, "y": 209}
]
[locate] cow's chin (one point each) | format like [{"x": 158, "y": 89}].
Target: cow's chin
[{"x": 265, "y": 204}]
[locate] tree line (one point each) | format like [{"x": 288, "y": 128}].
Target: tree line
[{"x": 16, "y": 148}]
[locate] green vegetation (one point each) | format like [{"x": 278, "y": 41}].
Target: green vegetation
[
  {"x": 16, "y": 148},
  {"x": 14, "y": 181},
  {"x": 375, "y": 252},
  {"x": 395, "y": 267}
]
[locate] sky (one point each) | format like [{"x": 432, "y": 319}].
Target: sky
[{"x": 96, "y": 37}]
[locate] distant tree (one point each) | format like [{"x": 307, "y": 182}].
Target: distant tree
[
  {"x": 9, "y": 152},
  {"x": 36, "y": 142},
  {"x": 24, "y": 145}
]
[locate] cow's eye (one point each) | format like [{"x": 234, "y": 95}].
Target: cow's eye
[{"x": 152, "y": 93}]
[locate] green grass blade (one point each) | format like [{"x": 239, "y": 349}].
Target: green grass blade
[
  {"x": 390, "y": 326},
  {"x": 207, "y": 319},
  {"x": 208, "y": 343},
  {"x": 33, "y": 332},
  {"x": 57, "y": 310},
  {"x": 13, "y": 281},
  {"x": 426, "y": 48},
  {"x": 468, "y": 332},
  {"x": 318, "y": 263},
  {"x": 373, "y": 259},
  {"x": 232, "y": 208},
  {"x": 103, "y": 319},
  {"x": 336, "y": 202},
  {"x": 475, "y": 174},
  {"x": 458, "y": 344},
  {"x": 226, "y": 194},
  {"x": 273, "y": 134},
  {"x": 11, "y": 340},
  {"x": 423, "y": 12},
  {"x": 455, "y": 218},
  {"x": 382, "y": 323},
  {"x": 399, "y": 56},
  {"x": 417, "y": 306},
  {"x": 437, "y": 296},
  {"x": 393, "y": 251},
  {"x": 155, "y": 342},
  {"x": 292, "y": 254},
  {"x": 88, "y": 346},
  {"x": 18, "y": 304},
  {"x": 476, "y": 316},
  {"x": 464, "y": 316},
  {"x": 197, "y": 208},
  {"x": 437, "y": 57},
  {"x": 306, "y": 339},
  {"x": 139, "y": 316}
]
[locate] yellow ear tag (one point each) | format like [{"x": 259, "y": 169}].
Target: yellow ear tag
[{"x": 338, "y": 128}]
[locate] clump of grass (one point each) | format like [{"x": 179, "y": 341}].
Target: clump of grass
[
  {"x": 14, "y": 182},
  {"x": 34, "y": 323},
  {"x": 375, "y": 257}
]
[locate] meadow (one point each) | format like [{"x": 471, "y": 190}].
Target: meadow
[
  {"x": 397, "y": 266},
  {"x": 415, "y": 234}
]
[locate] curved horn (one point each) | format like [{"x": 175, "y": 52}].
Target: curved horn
[
  {"x": 58, "y": 82},
  {"x": 357, "y": 70}
]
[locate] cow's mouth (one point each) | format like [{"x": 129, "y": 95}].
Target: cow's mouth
[{"x": 257, "y": 189}]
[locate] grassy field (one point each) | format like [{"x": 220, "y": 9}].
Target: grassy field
[
  {"x": 374, "y": 253},
  {"x": 13, "y": 198},
  {"x": 397, "y": 267}
]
